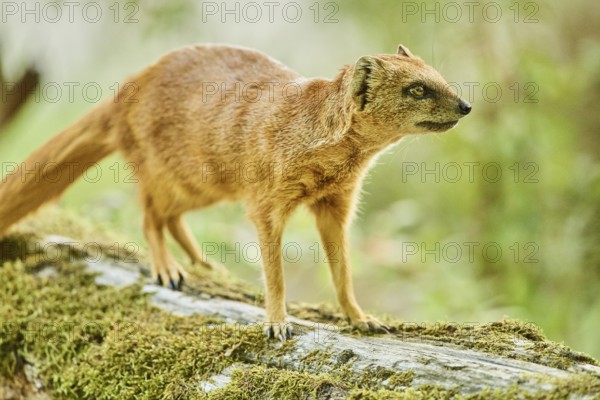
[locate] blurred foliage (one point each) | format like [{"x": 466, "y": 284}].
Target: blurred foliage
[{"x": 541, "y": 133}]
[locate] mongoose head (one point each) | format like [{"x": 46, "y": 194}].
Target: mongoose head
[{"x": 396, "y": 94}]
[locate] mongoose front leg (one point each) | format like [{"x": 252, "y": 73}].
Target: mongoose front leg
[
  {"x": 165, "y": 270},
  {"x": 270, "y": 245},
  {"x": 332, "y": 216},
  {"x": 182, "y": 235}
]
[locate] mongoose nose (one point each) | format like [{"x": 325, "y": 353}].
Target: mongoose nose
[{"x": 464, "y": 107}]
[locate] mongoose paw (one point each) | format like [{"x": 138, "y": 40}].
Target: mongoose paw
[
  {"x": 281, "y": 331},
  {"x": 174, "y": 284},
  {"x": 368, "y": 324},
  {"x": 172, "y": 277}
]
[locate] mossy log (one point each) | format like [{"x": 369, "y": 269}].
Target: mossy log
[
  {"x": 326, "y": 359},
  {"x": 425, "y": 363}
]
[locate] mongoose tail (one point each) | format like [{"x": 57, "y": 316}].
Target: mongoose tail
[{"x": 46, "y": 173}]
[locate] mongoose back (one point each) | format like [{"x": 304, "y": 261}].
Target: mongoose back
[{"x": 208, "y": 123}]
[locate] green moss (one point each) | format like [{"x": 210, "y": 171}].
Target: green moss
[
  {"x": 339, "y": 367},
  {"x": 271, "y": 383},
  {"x": 51, "y": 318},
  {"x": 163, "y": 357},
  {"x": 500, "y": 338},
  {"x": 564, "y": 388},
  {"x": 374, "y": 378},
  {"x": 327, "y": 374},
  {"x": 425, "y": 392},
  {"x": 92, "y": 341},
  {"x": 319, "y": 360},
  {"x": 345, "y": 356},
  {"x": 578, "y": 384},
  {"x": 584, "y": 384},
  {"x": 399, "y": 379}
]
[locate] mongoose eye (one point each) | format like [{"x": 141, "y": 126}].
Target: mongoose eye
[{"x": 417, "y": 91}]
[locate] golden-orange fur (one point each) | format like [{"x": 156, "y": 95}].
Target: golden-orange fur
[{"x": 210, "y": 123}]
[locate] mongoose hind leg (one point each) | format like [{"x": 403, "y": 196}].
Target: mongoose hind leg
[
  {"x": 182, "y": 234},
  {"x": 165, "y": 270}
]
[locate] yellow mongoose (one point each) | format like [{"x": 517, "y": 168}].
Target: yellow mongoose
[{"x": 203, "y": 111}]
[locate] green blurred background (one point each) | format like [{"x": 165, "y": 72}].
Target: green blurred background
[{"x": 499, "y": 217}]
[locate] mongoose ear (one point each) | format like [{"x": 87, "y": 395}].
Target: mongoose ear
[
  {"x": 363, "y": 73},
  {"x": 404, "y": 51}
]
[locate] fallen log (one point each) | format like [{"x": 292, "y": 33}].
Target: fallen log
[{"x": 325, "y": 360}]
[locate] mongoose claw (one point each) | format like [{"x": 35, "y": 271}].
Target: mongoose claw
[
  {"x": 370, "y": 324},
  {"x": 176, "y": 284},
  {"x": 279, "y": 331},
  {"x": 269, "y": 332},
  {"x": 172, "y": 277}
]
